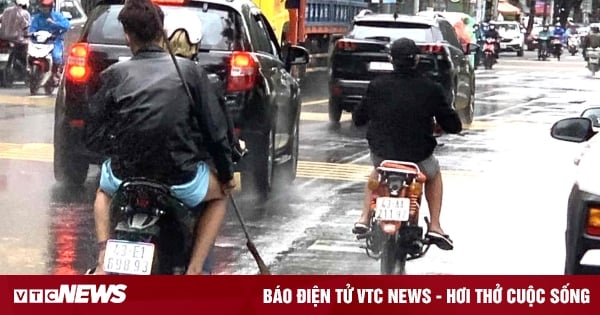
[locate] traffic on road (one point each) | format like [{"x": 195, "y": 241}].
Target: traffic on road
[{"x": 332, "y": 166}]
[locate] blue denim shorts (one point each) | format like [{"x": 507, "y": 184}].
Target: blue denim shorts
[{"x": 191, "y": 193}]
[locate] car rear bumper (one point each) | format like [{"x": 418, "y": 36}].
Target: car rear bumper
[
  {"x": 511, "y": 46},
  {"x": 348, "y": 93}
]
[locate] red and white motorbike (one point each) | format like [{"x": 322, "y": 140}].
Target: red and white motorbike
[
  {"x": 39, "y": 62},
  {"x": 489, "y": 53}
]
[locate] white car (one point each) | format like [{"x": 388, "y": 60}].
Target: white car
[{"x": 512, "y": 36}]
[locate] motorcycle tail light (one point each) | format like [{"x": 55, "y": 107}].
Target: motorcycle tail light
[
  {"x": 243, "y": 70},
  {"x": 593, "y": 221},
  {"x": 77, "y": 69}
]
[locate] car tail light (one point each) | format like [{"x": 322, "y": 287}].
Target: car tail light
[
  {"x": 243, "y": 70},
  {"x": 336, "y": 90},
  {"x": 593, "y": 221},
  {"x": 78, "y": 69},
  {"x": 435, "y": 49},
  {"x": 345, "y": 45}
]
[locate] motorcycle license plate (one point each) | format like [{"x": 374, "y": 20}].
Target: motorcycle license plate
[
  {"x": 124, "y": 257},
  {"x": 594, "y": 61},
  {"x": 392, "y": 209},
  {"x": 503, "y": 46},
  {"x": 380, "y": 66},
  {"x": 4, "y": 57}
]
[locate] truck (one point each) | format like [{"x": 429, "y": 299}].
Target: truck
[{"x": 313, "y": 24}]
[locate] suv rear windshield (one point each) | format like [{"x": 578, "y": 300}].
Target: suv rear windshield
[
  {"x": 217, "y": 25},
  {"x": 392, "y": 30}
]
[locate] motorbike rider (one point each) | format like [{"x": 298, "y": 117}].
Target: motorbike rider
[
  {"x": 592, "y": 40},
  {"x": 400, "y": 109},
  {"x": 479, "y": 39},
  {"x": 54, "y": 22},
  {"x": 14, "y": 23},
  {"x": 543, "y": 39},
  {"x": 559, "y": 32},
  {"x": 147, "y": 127},
  {"x": 492, "y": 32}
]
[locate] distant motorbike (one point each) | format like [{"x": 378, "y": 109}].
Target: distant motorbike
[
  {"x": 556, "y": 46},
  {"x": 593, "y": 56},
  {"x": 15, "y": 68},
  {"x": 543, "y": 47},
  {"x": 573, "y": 44},
  {"x": 395, "y": 236},
  {"x": 152, "y": 231},
  {"x": 39, "y": 62},
  {"x": 489, "y": 53}
]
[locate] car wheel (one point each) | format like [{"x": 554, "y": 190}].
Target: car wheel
[
  {"x": 259, "y": 175},
  {"x": 335, "y": 111},
  {"x": 286, "y": 173},
  {"x": 466, "y": 115},
  {"x": 68, "y": 169},
  {"x": 572, "y": 258}
]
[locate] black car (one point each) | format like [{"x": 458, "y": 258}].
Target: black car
[
  {"x": 363, "y": 54},
  {"x": 239, "y": 50},
  {"x": 582, "y": 233}
]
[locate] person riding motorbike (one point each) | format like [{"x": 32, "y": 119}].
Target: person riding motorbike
[
  {"x": 559, "y": 32},
  {"x": 479, "y": 39},
  {"x": 54, "y": 22},
  {"x": 544, "y": 39},
  {"x": 148, "y": 127},
  {"x": 14, "y": 23},
  {"x": 492, "y": 32},
  {"x": 400, "y": 109},
  {"x": 592, "y": 40}
]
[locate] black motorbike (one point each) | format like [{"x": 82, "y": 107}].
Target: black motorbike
[
  {"x": 152, "y": 231},
  {"x": 556, "y": 46},
  {"x": 14, "y": 67},
  {"x": 543, "y": 48}
]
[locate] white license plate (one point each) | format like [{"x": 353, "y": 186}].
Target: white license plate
[
  {"x": 392, "y": 209},
  {"x": 4, "y": 57},
  {"x": 380, "y": 66},
  {"x": 131, "y": 258},
  {"x": 593, "y": 61}
]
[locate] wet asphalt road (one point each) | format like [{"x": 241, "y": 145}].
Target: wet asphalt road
[{"x": 506, "y": 184}]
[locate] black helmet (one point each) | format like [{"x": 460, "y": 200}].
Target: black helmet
[{"x": 404, "y": 51}]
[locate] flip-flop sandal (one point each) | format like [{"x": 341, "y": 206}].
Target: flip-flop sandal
[
  {"x": 442, "y": 241},
  {"x": 90, "y": 272},
  {"x": 360, "y": 228}
]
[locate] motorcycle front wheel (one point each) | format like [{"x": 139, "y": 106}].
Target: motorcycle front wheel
[
  {"x": 34, "y": 80},
  {"x": 393, "y": 258}
]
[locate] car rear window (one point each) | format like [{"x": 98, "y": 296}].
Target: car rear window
[
  {"x": 217, "y": 25},
  {"x": 390, "y": 31}
]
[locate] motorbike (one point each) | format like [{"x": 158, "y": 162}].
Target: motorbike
[
  {"x": 152, "y": 230},
  {"x": 573, "y": 44},
  {"x": 489, "y": 53},
  {"x": 395, "y": 236},
  {"x": 39, "y": 62},
  {"x": 15, "y": 68},
  {"x": 543, "y": 45},
  {"x": 593, "y": 56},
  {"x": 556, "y": 46}
]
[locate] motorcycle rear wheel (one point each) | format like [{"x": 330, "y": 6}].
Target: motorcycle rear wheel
[{"x": 393, "y": 258}]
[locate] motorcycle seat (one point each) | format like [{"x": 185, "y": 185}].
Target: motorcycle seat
[{"x": 392, "y": 166}]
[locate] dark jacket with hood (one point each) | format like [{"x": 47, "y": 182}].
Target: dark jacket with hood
[
  {"x": 400, "y": 108},
  {"x": 142, "y": 119}
]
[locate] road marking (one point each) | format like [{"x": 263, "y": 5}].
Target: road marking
[
  {"x": 317, "y": 102},
  {"x": 44, "y": 152},
  {"x": 43, "y": 101},
  {"x": 337, "y": 246}
]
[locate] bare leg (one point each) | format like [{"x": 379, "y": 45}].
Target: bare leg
[
  {"x": 366, "y": 210},
  {"x": 208, "y": 225},
  {"x": 102, "y": 221},
  {"x": 433, "y": 194}
]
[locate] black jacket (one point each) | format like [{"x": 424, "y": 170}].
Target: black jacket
[
  {"x": 141, "y": 118},
  {"x": 400, "y": 108}
]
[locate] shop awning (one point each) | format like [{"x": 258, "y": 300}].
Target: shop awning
[{"x": 507, "y": 8}]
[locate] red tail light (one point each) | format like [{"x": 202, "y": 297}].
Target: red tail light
[
  {"x": 78, "y": 69},
  {"x": 243, "y": 70},
  {"x": 435, "y": 49},
  {"x": 345, "y": 45}
]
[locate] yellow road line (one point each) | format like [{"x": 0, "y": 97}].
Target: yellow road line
[
  {"x": 44, "y": 152},
  {"x": 43, "y": 101},
  {"x": 317, "y": 102}
]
